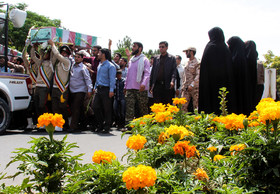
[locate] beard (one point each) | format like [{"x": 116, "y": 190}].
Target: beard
[{"x": 135, "y": 52}]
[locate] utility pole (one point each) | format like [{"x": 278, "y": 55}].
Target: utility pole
[{"x": 6, "y": 38}]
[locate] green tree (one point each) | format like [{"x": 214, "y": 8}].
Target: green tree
[
  {"x": 273, "y": 61},
  {"x": 127, "y": 42},
  {"x": 151, "y": 53},
  {"x": 17, "y": 36}
]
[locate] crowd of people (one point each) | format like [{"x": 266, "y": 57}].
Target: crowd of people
[{"x": 94, "y": 91}]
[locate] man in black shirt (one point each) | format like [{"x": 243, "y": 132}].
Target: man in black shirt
[{"x": 163, "y": 76}]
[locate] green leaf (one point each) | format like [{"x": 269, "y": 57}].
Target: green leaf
[{"x": 276, "y": 171}]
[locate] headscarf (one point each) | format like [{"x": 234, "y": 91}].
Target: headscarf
[{"x": 215, "y": 73}]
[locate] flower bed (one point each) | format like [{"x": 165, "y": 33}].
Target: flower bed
[{"x": 173, "y": 152}]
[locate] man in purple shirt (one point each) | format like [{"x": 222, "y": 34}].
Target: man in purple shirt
[{"x": 138, "y": 75}]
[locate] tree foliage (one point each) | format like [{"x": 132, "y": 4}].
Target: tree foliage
[
  {"x": 17, "y": 36},
  {"x": 273, "y": 61},
  {"x": 127, "y": 42}
]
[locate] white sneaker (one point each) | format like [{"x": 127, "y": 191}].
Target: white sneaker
[{"x": 58, "y": 128}]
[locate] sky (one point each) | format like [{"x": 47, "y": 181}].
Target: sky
[{"x": 182, "y": 23}]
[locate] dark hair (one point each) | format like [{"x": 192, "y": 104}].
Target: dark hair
[
  {"x": 66, "y": 49},
  {"x": 107, "y": 54},
  {"x": 97, "y": 46},
  {"x": 20, "y": 60},
  {"x": 124, "y": 59},
  {"x": 152, "y": 57},
  {"x": 139, "y": 44},
  {"x": 179, "y": 57},
  {"x": 164, "y": 42},
  {"x": 194, "y": 53},
  {"x": 119, "y": 54}
]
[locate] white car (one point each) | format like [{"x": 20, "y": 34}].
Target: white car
[{"x": 15, "y": 90}]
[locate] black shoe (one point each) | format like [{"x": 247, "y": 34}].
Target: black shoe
[{"x": 105, "y": 131}]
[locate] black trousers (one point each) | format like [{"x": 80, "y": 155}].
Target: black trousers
[
  {"x": 102, "y": 108},
  {"x": 77, "y": 109},
  {"x": 163, "y": 95}
]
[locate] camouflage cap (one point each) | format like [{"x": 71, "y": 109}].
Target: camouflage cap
[{"x": 190, "y": 49}]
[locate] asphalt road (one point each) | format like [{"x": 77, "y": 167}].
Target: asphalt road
[{"x": 88, "y": 143}]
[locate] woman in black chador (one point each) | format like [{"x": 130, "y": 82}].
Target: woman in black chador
[
  {"x": 237, "y": 49},
  {"x": 252, "y": 57},
  {"x": 215, "y": 73}
]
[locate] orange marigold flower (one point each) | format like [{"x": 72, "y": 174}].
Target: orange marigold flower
[
  {"x": 254, "y": 124},
  {"x": 238, "y": 148},
  {"x": 253, "y": 116},
  {"x": 136, "y": 142},
  {"x": 177, "y": 101},
  {"x": 139, "y": 177},
  {"x": 197, "y": 117},
  {"x": 212, "y": 149},
  {"x": 49, "y": 118},
  {"x": 162, "y": 137},
  {"x": 44, "y": 119},
  {"x": 158, "y": 107},
  {"x": 218, "y": 157},
  {"x": 183, "y": 147},
  {"x": 201, "y": 174},
  {"x": 57, "y": 120},
  {"x": 102, "y": 156},
  {"x": 161, "y": 117},
  {"x": 172, "y": 109},
  {"x": 232, "y": 121}
]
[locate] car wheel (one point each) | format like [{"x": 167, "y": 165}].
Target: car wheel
[{"x": 5, "y": 116}]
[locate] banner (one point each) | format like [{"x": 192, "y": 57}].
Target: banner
[
  {"x": 60, "y": 35},
  {"x": 11, "y": 52}
]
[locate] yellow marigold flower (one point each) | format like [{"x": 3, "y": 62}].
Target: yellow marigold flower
[
  {"x": 218, "y": 157},
  {"x": 209, "y": 128},
  {"x": 178, "y": 130},
  {"x": 136, "y": 142},
  {"x": 179, "y": 101},
  {"x": 183, "y": 148},
  {"x": 162, "y": 137},
  {"x": 197, "y": 117},
  {"x": 158, "y": 107},
  {"x": 238, "y": 147},
  {"x": 270, "y": 112},
  {"x": 161, "y": 117},
  {"x": 139, "y": 177},
  {"x": 102, "y": 156},
  {"x": 201, "y": 174},
  {"x": 212, "y": 149},
  {"x": 148, "y": 116},
  {"x": 172, "y": 109}
]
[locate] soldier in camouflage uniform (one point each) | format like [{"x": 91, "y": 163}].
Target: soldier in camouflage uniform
[
  {"x": 136, "y": 83},
  {"x": 190, "y": 88}
]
